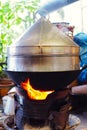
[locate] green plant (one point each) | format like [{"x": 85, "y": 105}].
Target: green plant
[{"x": 15, "y": 17}]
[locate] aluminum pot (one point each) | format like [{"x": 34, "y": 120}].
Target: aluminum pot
[{"x": 43, "y": 48}]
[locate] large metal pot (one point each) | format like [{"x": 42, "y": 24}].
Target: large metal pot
[{"x": 43, "y": 48}]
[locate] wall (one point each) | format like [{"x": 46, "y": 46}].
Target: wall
[{"x": 75, "y": 14}]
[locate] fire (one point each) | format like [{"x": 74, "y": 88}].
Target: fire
[{"x": 34, "y": 94}]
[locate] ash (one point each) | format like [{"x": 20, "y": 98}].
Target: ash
[{"x": 28, "y": 127}]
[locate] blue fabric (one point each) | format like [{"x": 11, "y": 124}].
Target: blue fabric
[
  {"x": 82, "y": 78},
  {"x": 83, "y": 59},
  {"x": 81, "y": 40}
]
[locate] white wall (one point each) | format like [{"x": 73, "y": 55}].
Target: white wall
[
  {"x": 84, "y": 15},
  {"x": 75, "y": 14}
]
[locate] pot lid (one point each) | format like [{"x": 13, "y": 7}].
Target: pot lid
[{"x": 44, "y": 33}]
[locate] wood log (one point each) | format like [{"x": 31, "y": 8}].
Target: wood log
[{"x": 81, "y": 89}]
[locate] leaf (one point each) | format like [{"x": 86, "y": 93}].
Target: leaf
[
  {"x": 18, "y": 20},
  {"x": 14, "y": 19}
]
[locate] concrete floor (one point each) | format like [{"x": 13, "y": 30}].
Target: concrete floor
[
  {"x": 79, "y": 105},
  {"x": 83, "y": 118}
]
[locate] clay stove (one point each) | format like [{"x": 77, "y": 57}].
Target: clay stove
[
  {"x": 40, "y": 111},
  {"x": 42, "y": 63}
]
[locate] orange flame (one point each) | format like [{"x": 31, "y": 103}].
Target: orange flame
[{"x": 34, "y": 94}]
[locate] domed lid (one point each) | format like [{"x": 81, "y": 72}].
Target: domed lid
[{"x": 44, "y": 33}]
